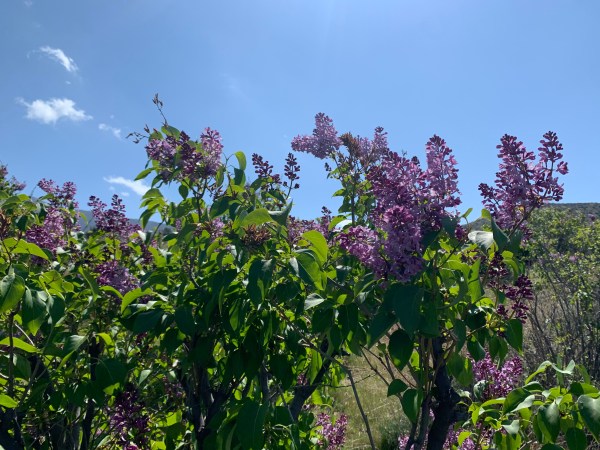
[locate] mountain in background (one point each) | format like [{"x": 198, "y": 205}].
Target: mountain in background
[{"x": 586, "y": 209}]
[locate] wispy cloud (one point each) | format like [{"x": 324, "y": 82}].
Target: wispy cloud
[
  {"x": 28, "y": 3},
  {"x": 52, "y": 110},
  {"x": 59, "y": 56},
  {"x": 116, "y": 132},
  {"x": 234, "y": 86},
  {"x": 136, "y": 186}
]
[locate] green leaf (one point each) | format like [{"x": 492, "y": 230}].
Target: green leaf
[
  {"x": 7, "y": 402},
  {"x": 310, "y": 271},
  {"x": 499, "y": 236},
  {"x": 460, "y": 368},
  {"x": 396, "y": 387},
  {"x": 514, "y": 399},
  {"x": 133, "y": 295},
  {"x": 312, "y": 300},
  {"x": 411, "y": 403},
  {"x": 281, "y": 217},
  {"x": 319, "y": 244},
  {"x": 380, "y": 325},
  {"x": 184, "y": 318},
  {"x": 582, "y": 388},
  {"x": 514, "y": 334},
  {"x": 549, "y": 421},
  {"x": 256, "y": 217},
  {"x": 12, "y": 288},
  {"x": 590, "y": 411},
  {"x": 512, "y": 428},
  {"x": 400, "y": 348},
  {"x": 576, "y": 439},
  {"x": 21, "y": 246},
  {"x": 147, "y": 320},
  {"x": 250, "y": 423},
  {"x": 241, "y": 160},
  {"x": 109, "y": 372},
  {"x": 33, "y": 312},
  {"x": 18, "y": 343},
  {"x": 72, "y": 343},
  {"x": 144, "y": 173},
  {"x": 405, "y": 302}
]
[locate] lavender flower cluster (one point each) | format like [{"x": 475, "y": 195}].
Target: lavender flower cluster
[
  {"x": 181, "y": 158},
  {"x": 333, "y": 434},
  {"x": 10, "y": 186},
  {"x": 324, "y": 140},
  {"x": 112, "y": 220},
  {"x": 410, "y": 202},
  {"x": 522, "y": 184},
  {"x": 111, "y": 273},
  {"x": 129, "y": 421},
  {"x": 498, "y": 380},
  {"x": 53, "y": 232}
]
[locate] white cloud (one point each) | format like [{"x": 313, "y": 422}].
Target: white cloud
[
  {"x": 137, "y": 186},
  {"x": 53, "y": 110},
  {"x": 124, "y": 194},
  {"x": 116, "y": 132},
  {"x": 58, "y": 55}
]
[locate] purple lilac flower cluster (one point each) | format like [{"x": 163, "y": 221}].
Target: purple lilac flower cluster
[
  {"x": 370, "y": 151},
  {"x": 213, "y": 227},
  {"x": 113, "y": 220},
  {"x": 522, "y": 184},
  {"x": 333, "y": 433},
  {"x": 499, "y": 381},
  {"x": 324, "y": 140},
  {"x": 520, "y": 293},
  {"x": 263, "y": 169},
  {"x": 296, "y": 227},
  {"x": 452, "y": 439},
  {"x": 58, "y": 222},
  {"x": 111, "y": 273},
  {"x": 410, "y": 202},
  {"x": 11, "y": 186},
  {"x": 291, "y": 170},
  {"x": 129, "y": 421},
  {"x": 183, "y": 158}
]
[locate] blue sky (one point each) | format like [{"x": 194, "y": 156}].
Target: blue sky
[{"x": 76, "y": 77}]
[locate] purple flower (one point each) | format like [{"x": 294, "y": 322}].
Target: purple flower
[
  {"x": 212, "y": 147},
  {"x": 323, "y": 141},
  {"x": 10, "y": 186},
  {"x": 129, "y": 421},
  {"x": 58, "y": 222},
  {"x": 523, "y": 185},
  {"x": 370, "y": 151},
  {"x": 498, "y": 380},
  {"x": 112, "y": 220},
  {"x": 441, "y": 178},
  {"x": 186, "y": 158},
  {"x": 111, "y": 273},
  {"x": 333, "y": 433},
  {"x": 291, "y": 170}
]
